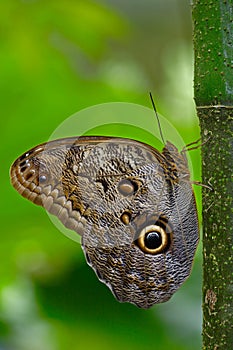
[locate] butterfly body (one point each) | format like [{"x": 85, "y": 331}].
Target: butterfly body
[{"x": 133, "y": 206}]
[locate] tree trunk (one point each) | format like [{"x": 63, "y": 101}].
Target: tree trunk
[{"x": 213, "y": 90}]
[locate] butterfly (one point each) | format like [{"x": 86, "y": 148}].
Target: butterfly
[{"x": 132, "y": 205}]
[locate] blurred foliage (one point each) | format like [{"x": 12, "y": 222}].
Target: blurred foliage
[{"x": 58, "y": 57}]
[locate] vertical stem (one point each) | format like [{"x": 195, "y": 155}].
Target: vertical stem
[{"x": 213, "y": 90}]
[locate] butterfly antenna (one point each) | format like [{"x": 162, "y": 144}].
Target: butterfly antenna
[{"x": 157, "y": 117}]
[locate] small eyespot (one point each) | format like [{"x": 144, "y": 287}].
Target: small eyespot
[
  {"x": 29, "y": 175},
  {"x": 153, "y": 239},
  {"x": 42, "y": 179},
  {"x": 24, "y": 165},
  {"x": 126, "y": 217},
  {"x": 127, "y": 187},
  {"x": 26, "y": 155}
]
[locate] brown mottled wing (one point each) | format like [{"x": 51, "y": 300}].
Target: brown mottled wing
[
  {"x": 40, "y": 175},
  {"x": 111, "y": 191}
]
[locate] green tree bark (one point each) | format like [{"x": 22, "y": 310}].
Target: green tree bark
[{"x": 213, "y": 90}]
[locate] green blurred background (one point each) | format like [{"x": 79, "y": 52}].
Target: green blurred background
[{"x": 58, "y": 57}]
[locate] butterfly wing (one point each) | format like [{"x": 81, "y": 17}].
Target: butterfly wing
[{"x": 134, "y": 210}]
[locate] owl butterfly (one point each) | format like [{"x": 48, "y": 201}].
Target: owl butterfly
[{"x": 133, "y": 206}]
